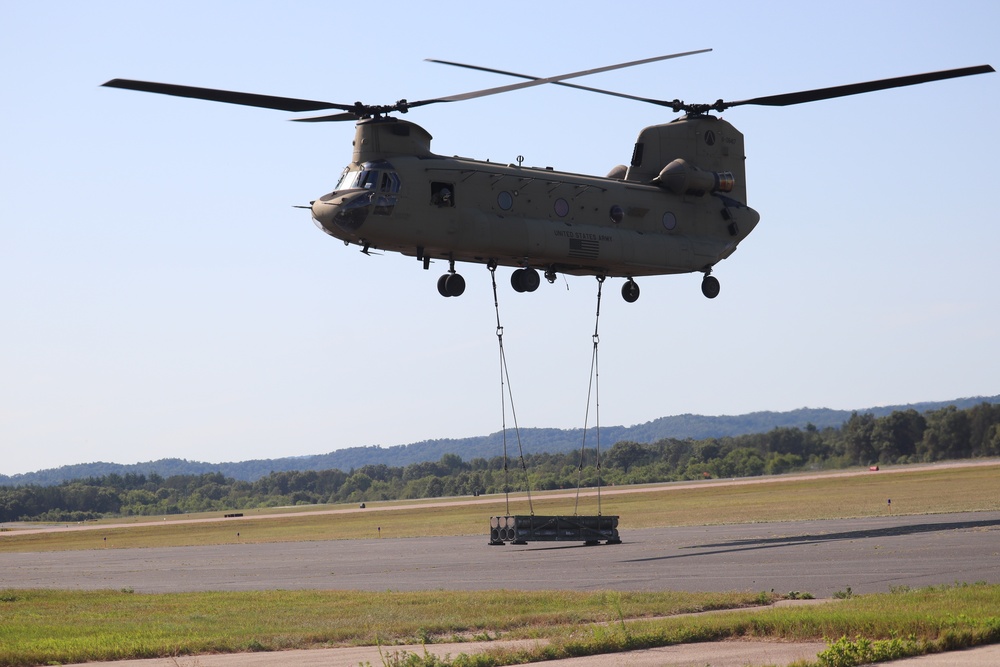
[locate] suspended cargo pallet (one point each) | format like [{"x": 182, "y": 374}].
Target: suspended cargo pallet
[{"x": 524, "y": 529}]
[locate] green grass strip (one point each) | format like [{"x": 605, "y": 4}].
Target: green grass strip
[{"x": 42, "y": 626}]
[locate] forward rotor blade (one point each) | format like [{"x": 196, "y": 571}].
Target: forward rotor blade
[
  {"x": 326, "y": 119},
  {"x": 553, "y": 79},
  {"x": 227, "y": 96},
  {"x": 357, "y": 110},
  {"x": 857, "y": 88},
  {"x": 626, "y": 96}
]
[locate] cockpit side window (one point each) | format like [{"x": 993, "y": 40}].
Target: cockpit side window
[
  {"x": 390, "y": 182},
  {"x": 368, "y": 179}
]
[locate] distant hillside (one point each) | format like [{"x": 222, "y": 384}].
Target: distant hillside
[{"x": 533, "y": 440}]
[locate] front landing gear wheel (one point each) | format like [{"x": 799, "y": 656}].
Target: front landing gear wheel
[
  {"x": 630, "y": 291},
  {"x": 451, "y": 284},
  {"x": 710, "y": 287}
]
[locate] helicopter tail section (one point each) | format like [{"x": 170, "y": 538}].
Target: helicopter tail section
[{"x": 695, "y": 155}]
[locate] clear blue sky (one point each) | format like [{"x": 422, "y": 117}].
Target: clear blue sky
[{"x": 161, "y": 297}]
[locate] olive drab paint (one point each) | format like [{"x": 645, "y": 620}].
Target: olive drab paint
[{"x": 561, "y": 222}]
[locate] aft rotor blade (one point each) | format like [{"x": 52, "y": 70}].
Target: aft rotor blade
[
  {"x": 227, "y": 96},
  {"x": 857, "y": 88},
  {"x": 601, "y": 91},
  {"x": 552, "y": 79}
]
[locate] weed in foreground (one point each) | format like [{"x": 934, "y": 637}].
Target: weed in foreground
[
  {"x": 845, "y": 594},
  {"x": 799, "y": 595},
  {"x": 847, "y": 653}
]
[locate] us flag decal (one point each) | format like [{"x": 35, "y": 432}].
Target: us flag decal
[{"x": 583, "y": 248}]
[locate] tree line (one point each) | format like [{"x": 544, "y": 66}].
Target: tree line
[{"x": 901, "y": 437}]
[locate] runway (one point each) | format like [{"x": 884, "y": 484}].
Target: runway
[{"x": 819, "y": 557}]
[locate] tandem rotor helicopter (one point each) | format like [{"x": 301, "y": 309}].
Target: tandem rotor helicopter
[{"x": 680, "y": 206}]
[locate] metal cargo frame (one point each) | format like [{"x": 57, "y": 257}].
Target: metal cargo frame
[{"x": 522, "y": 529}]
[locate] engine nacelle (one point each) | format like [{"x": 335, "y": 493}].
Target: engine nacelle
[{"x": 682, "y": 178}]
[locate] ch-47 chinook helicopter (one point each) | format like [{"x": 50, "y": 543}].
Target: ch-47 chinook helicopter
[{"x": 679, "y": 207}]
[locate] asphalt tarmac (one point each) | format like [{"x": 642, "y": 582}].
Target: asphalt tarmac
[
  {"x": 822, "y": 558},
  {"x": 819, "y": 557}
]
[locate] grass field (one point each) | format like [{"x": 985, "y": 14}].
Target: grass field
[
  {"x": 56, "y": 627},
  {"x": 925, "y": 490},
  {"x": 52, "y": 627}
]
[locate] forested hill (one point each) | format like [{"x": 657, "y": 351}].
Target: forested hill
[{"x": 533, "y": 440}]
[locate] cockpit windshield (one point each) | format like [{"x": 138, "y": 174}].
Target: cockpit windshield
[
  {"x": 346, "y": 179},
  {"x": 374, "y": 176}
]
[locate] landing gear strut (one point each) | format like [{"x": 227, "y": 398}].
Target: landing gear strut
[{"x": 451, "y": 283}]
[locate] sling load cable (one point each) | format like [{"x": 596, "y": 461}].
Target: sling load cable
[
  {"x": 503, "y": 406},
  {"x": 596, "y": 386}
]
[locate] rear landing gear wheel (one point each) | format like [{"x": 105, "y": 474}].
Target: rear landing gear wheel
[
  {"x": 451, "y": 284},
  {"x": 710, "y": 287},
  {"x": 525, "y": 280},
  {"x": 630, "y": 291}
]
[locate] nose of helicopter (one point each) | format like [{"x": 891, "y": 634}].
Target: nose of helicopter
[
  {"x": 340, "y": 214},
  {"x": 322, "y": 214}
]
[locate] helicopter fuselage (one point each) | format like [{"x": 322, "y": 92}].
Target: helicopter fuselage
[
  {"x": 679, "y": 207},
  {"x": 398, "y": 196}
]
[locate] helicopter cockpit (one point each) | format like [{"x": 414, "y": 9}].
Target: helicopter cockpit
[
  {"x": 373, "y": 176},
  {"x": 372, "y": 189}
]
